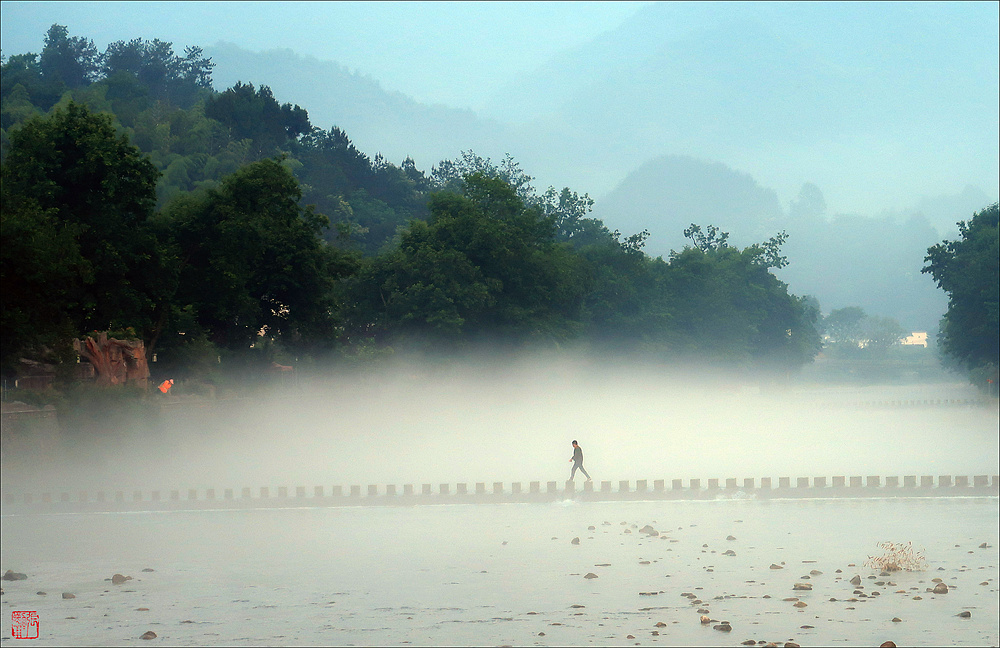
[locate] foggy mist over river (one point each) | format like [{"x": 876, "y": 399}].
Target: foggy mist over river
[{"x": 472, "y": 423}]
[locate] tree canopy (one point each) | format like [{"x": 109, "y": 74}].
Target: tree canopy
[
  {"x": 72, "y": 177},
  {"x": 250, "y": 261},
  {"x": 484, "y": 266},
  {"x": 967, "y": 269}
]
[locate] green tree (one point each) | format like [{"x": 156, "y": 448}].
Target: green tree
[
  {"x": 967, "y": 269},
  {"x": 626, "y": 307},
  {"x": 845, "y": 326},
  {"x": 256, "y": 115},
  {"x": 23, "y": 70},
  {"x": 866, "y": 343},
  {"x": 251, "y": 261},
  {"x": 73, "y": 176},
  {"x": 16, "y": 108},
  {"x": 727, "y": 307},
  {"x": 484, "y": 266},
  {"x": 42, "y": 273},
  {"x": 70, "y": 61},
  {"x": 164, "y": 75}
]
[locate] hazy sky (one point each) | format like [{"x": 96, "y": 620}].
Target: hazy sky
[{"x": 455, "y": 53}]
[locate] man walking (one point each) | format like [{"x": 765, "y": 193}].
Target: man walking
[{"x": 577, "y": 460}]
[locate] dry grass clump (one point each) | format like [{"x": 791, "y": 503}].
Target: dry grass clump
[{"x": 898, "y": 557}]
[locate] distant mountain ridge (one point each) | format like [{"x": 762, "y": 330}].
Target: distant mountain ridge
[
  {"x": 377, "y": 120},
  {"x": 860, "y": 98},
  {"x": 669, "y": 193},
  {"x": 841, "y": 259}
]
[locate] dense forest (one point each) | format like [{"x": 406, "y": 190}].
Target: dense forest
[{"x": 227, "y": 233}]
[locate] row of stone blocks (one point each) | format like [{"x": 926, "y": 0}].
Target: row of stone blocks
[
  {"x": 551, "y": 488},
  {"x": 926, "y": 402}
]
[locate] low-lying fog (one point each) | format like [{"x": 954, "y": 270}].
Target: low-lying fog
[{"x": 484, "y": 423}]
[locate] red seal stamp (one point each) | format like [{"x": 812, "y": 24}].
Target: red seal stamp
[{"x": 24, "y": 624}]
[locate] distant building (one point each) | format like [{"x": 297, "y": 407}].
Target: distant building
[{"x": 916, "y": 338}]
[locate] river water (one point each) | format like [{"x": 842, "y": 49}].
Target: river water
[{"x": 510, "y": 574}]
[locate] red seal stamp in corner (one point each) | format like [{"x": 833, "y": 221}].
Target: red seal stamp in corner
[{"x": 24, "y": 624}]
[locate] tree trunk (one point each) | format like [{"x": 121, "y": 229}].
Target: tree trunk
[{"x": 115, "y": 362}]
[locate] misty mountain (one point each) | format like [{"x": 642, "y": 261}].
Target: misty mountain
[
  {"x": 861, "y": 99},
  {"x": 378, "y": 120},
  {"x": 669, "y": 193},
  {"x": 875, "y": 263},
  {"x": 841, "y": 259},
  {"x": 862, "y": 95},
  {"x": 944, "y": 212}
]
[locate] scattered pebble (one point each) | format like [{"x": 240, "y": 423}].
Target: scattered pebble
[{"x": 149, "y": 634}]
